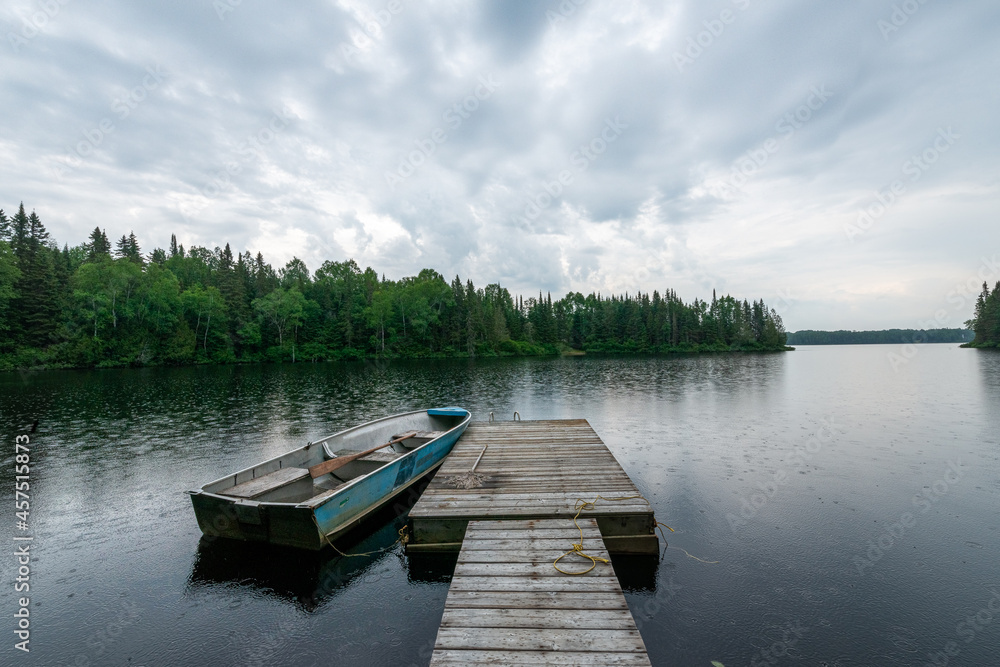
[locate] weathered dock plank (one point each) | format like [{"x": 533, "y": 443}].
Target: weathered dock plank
[
  {"x": 521, "y": 611},
  {"x": 534, "y": 470},
  {"x": 520, "y": 659},
  {"x": 594, "y": 619},
  {"x": 539, "y": 600}
]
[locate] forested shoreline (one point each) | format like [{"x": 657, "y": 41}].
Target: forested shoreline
[
  {"x": 985, "y": 321},
  {"x": 99, "y": 304},
  {"x": 880, "y": 337}
]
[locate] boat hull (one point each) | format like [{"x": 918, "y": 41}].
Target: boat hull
[{"x": 312, "y": 523}]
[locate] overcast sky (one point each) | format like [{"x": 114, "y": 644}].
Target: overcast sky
[{"x": 740, "y": 145}]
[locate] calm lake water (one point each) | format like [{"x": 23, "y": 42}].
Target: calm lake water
[{"x": 853, "y": 509}]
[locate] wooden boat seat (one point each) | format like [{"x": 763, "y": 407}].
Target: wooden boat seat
[
  {"x": 420, "y": 437},
  {"x": 258, "y": 486},
  {"x": 424, "y": 435},
  {"x": 381, "y": 456}
]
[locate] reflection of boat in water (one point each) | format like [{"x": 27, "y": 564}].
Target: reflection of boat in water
[
  {"x": 305, "y": 578},
  {"x": 320, "y": 491}
]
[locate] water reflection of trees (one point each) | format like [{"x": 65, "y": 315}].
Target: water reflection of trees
[{"x": 989, "y": 378}]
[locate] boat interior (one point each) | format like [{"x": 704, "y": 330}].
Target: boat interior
[{"x": 318, "y": 470}]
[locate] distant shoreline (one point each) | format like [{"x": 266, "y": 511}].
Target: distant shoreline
[{"x": 880, "y": 337}]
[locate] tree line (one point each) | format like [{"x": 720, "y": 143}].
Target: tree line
[
  {"x": 882, "y": 337},
  {"x": 985, "y": 321},
  {"x": 101, "y": 304}
]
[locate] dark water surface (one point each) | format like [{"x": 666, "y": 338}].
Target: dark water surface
[{"x": 854, "y": 510}]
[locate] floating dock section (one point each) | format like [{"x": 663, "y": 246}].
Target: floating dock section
[
  {"x": 532, "y": 470},
  {"x": 507, "y": 605}
]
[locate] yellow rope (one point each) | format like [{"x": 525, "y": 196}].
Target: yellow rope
[
  {"x": 709, "y": 562},
  {"x": 403, "y": 538},
  {"x": 577, "y": 549},
  {"x": 657, "y": 524}
]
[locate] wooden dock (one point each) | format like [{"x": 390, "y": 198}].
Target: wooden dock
[
  {"x": 534, "y": 470},
  {"x": 508, "y": 605}
]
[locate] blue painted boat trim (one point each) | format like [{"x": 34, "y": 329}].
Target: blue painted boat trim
[{"x": 447, "y": 412}]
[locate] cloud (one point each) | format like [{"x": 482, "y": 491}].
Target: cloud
[{"x": 725, "y": 172}]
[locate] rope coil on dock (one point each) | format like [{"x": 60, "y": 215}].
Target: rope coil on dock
[{"x": 577, "y": 549}]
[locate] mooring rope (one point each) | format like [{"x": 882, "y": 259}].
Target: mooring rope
[
  {"x": 403, "y": 539},
  {"x": 577, "y": 549}
]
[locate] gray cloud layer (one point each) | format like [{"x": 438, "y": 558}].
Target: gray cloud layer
[{"x": 604, "y": 146}]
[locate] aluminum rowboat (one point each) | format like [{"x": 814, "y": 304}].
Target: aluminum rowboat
[{"x": 279, "y": 501}]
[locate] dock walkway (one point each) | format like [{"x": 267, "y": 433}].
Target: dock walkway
[
  {"x": 507, "y": 605},
  {"x": 534, "y": 470}
]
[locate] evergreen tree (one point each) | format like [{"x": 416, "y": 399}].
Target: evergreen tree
[
  {"x": 20, "y": 232},
  {"x": 121, "y": 247},
  {"x": 173, "y": 246},
  {"x": 265, "y": 278},
  {"x": 225, "y": 259},
  {"x": 9, "y": 275},
  {"x": 986, "y": 321},
  {"x": 36, "y": 307},
  {"x": 232, "y": 286},
  {"x": 134, "y": 251},
  {"x": 36, "y": 230},
  {"x": 99, "y": 245},
  {"x": 127, "y": 247}
]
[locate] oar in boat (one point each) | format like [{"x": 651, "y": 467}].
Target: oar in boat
[{"x": 341, "y": 461}]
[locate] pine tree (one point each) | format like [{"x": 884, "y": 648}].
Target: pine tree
[
  {"x": 127, "y": 247},
  {"x": 37, "y": 305},
  {"x": 245, "y": 269},
  {"x": 39, "y": 235},
  {"x": 19, "y": 232},
  {"x": 134, "y": 251},
  {"x": 226, "y": 259},
  {"x": 173, "y": 246},
  {"x": 265, "y": 279},
  {"x": 99, "y": 245},
  {"x": 233, "y": 289},
  {"x": 4, "y": 226},
  {"x": 62, "y": 273},
  {"x": 986, "y": 321}
]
